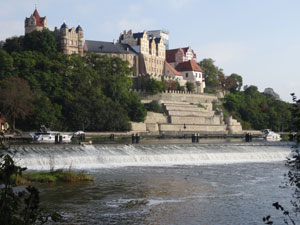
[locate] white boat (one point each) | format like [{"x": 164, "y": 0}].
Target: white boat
[
  {"x": 271, "y": 135},
  {"x": 46, "y": 136}
]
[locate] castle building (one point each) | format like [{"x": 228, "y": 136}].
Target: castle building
[
  {"x": 114, "y": 49},
  {"x": 178, "y": 55},
  {"x": 164, "y": 35},
  {"x": 35, "y": 22},
  {"x": 70, "y": 41},
  {"x": 151, "y": 50}
]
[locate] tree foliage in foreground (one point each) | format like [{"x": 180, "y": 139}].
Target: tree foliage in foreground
[
  {"x": 293, "y": 176},
  {"x": 70, "y": 92},
  {"x": 19, "y": 207}
]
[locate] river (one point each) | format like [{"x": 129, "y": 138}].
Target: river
[{"x": 224, "y": 183}]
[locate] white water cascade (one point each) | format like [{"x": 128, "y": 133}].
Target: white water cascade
[{"x": 43, "y": 157}]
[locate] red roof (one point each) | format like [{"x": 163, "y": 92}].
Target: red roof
[
  {"x": 190, "y": 65},
  {"x": 170, "y": 54},
  {"x": 40, "y": 21},
  {"x": 173, "y": 69}
]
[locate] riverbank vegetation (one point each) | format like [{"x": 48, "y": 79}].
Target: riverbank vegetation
[
  {"x": 19, "y": 206},
  {"x": 51, "y": 176},
  {"x": 65, "y": 92},
  {"x": 253, "y": 109}
]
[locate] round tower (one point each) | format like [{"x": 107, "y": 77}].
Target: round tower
[
  {"x": 79, "y": 32},
  {"x": 64, "y": 37}
]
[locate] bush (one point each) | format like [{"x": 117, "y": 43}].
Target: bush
[
  {"x": 190, "y": 86},
  {"x": 154, "y": 86},
  {"x": 154, "y": 107}
]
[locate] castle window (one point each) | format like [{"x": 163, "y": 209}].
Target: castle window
[{"x": 186, "y": 75}]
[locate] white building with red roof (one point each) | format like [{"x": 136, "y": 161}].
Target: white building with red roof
[
  {"x": 183, "y": 61},
  {"x": 192, "y": 72},
  {"x": 35, "y": 22},
  {"x": 178, "y": 55}
]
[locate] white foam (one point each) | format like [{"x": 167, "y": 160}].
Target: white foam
[{"x": 107, "y": 156}]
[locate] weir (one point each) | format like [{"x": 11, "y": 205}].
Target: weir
[{"x": 109, "y": 156}]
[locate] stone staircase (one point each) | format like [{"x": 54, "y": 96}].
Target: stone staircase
[
  {"x": 186, "y": 114},
  {"x": 190, "y": 118}
]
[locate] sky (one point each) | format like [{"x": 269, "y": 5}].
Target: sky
[{"x": 257, "y": 39}]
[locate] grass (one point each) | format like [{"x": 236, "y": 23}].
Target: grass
[{"x": 52, "y": 176}]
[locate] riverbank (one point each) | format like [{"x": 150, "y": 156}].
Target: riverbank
[{"x": 51, "y": 177}]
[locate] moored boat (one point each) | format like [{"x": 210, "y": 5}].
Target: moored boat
[
  {"x": 47, "y": 136},
  {"x": 271, "y": 135}
]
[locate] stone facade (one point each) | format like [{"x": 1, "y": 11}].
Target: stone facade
[
  {"x": 164, "y": 35},
  {"x": 151, "y": 52},
  {"x": 69, "y": 40}
]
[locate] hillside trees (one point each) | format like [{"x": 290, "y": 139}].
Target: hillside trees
[
  {"x": 216, "y": 79},
  {"x": 16, "y": 98},
  {"x": 71, "y": 92},
  {"x": 258, "y": 111},
  {"x": 211, "y": 72}
]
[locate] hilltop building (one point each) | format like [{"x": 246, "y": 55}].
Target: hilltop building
[
  {"x": 183, "y": 60},
  {"x": 114, "y": 49},
  {"x": 178, "y": 55},
  {"x": 69, "y": 40},
  {"x": 164, "y": 35},
  {"x": 151, "y": 50},
  {"x": 35, "y": 22},
  {"x": 147, "y": 52}
]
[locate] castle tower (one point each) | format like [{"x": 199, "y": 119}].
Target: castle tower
[
  {"x": 35, "y": 22},
  {"x": 79, "y": 32},
  {"x": 70, "y": 40}
]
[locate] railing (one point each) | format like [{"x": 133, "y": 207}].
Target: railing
[{"x": 172, "y": 92}]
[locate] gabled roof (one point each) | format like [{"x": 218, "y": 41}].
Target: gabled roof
[
  {"x": 186, "y": 49},
  {"x": 190, "y": 65},
  {"x": 40, "y": 21},
  {"x": 173, "y": 69},
  {"x": 108, "y": 47},
  {"x": 171, "y": 54}
]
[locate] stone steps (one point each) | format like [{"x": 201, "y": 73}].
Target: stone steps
[
  {"x": 215, "y": 120},
  {"x": 175, "y": 103},
  {"x": 205, "y": 129},
  {"x": 188, "y": 109},
  {"x": 191, "y": 113}
]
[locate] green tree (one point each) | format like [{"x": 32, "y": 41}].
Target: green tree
[
  {"x": 238, "y": 80},
  {"x": 153, "y": 86},
  {"x": 40, "y": 41},
  {"x": 6, "y": 64},
  {"x": 16, "y": 98},
  {"x": 190, "y": 86},
  {"x": 19, "y": 207},
  {"x": 14, "y": 44},
  {"x": 211, "y": 72}
]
